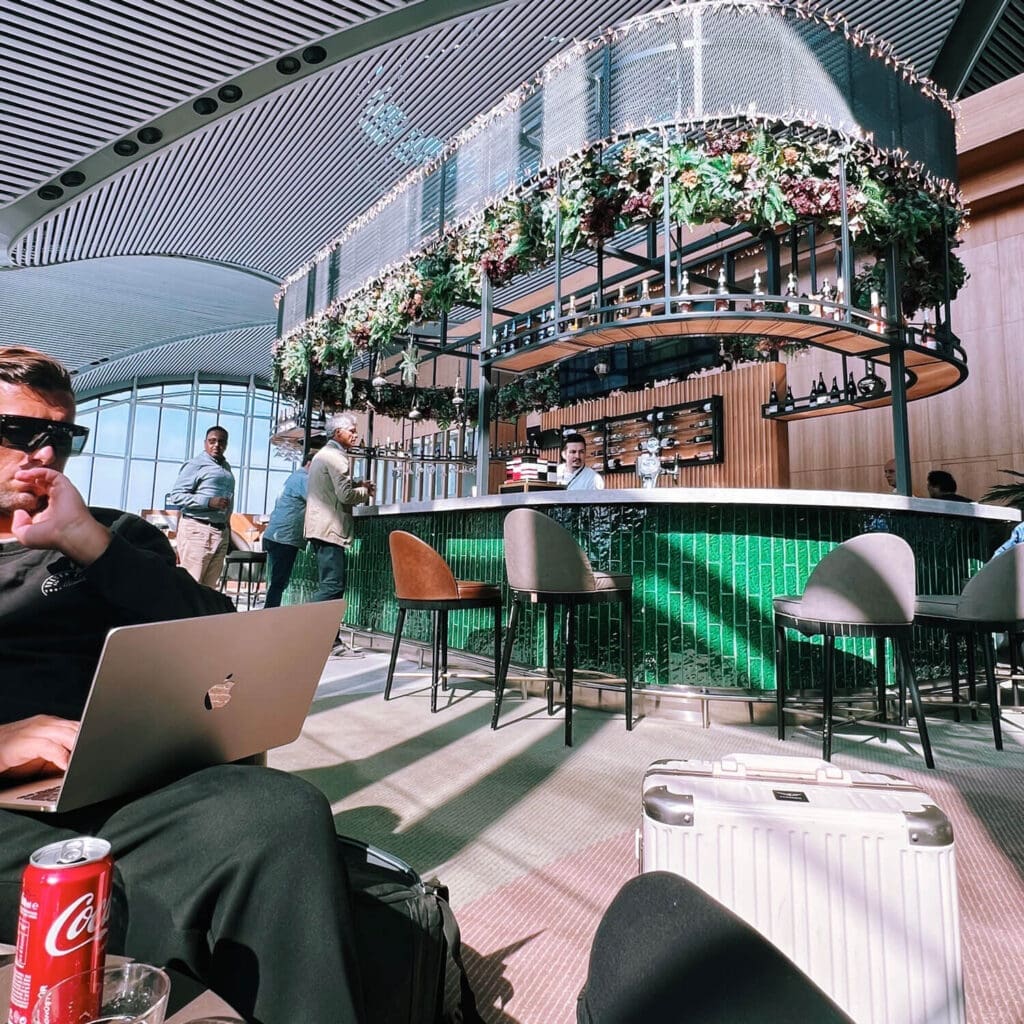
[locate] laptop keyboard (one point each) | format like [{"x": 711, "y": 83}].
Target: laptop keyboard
[{"x": 43, "y": 794}]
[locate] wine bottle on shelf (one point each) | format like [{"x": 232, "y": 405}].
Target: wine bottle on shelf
[
  {"x": 876, "y": 312},
  {"x": 706, "y": 407},
  {"x": 757, "y": 301},
  {"x": 721, "y": 304},
  {"x": 851, "y": 389},
  {"x": 645, "y": 298},
  {"x": 834, "y": 395},
  {"x": 622, "y": 313},
  {"x": 698, "y": 439},
  {"x": 837, "y": 313},
  {"x": 552, "y": 326},
  {"x": 651, "y": 417},
  {"x": 705, "y": 455},
  {"x": 685, "y": 302},
  {"x": 821, "y": 390},
  {"x": 669, "y": 442},
  {"x": 792, "y": 299},
  {"x": 812, "y": 395},
  {"x": 773, "y": 400},
  {"x": 790, "y": 403},
  {"x": 883, "y": 317},
  {"x": 699, "y": 424},
  {"x": 574, "y": 323}
]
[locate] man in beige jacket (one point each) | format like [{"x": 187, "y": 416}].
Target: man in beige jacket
[{"x": 331, "y": 495}]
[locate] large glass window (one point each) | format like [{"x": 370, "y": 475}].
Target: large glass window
[{"x": 142, "y": 436}]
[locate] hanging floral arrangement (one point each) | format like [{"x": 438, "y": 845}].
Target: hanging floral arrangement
[{"x": 735, "y": 173}]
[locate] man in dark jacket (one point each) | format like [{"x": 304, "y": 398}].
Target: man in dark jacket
[{"x": 205, "y": 868}]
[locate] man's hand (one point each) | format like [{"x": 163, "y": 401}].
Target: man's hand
[
  {"x": 36, "y": 746},
  {"x": 370, "y": 486},
  {"x": 64, "y": 523},
  {"x": 219, "y": 503}
]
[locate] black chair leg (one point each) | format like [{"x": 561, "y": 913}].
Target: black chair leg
[
  {"x": 627, "y": 636},
  {"x": 903, "y": 647},
  {"x": 570, "y": 655},
  {"x": 829, "y": 655},
  {"x": 880, "y": 694},
  {"x": 394, "y": 653},
  {"x": 506, "y": 656},
  {"x": 993, "y": 689},
  {"x": 1014, "y": 640},
  {"x": 549, "y": 655},
  {"x": 444, "y": 649},
  {"x": 435, "y": 666},
  {"x": 780, "y": 679}
]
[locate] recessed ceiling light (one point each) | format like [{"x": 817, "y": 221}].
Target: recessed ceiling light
[
  {"x": 150, "y": 135},
  {"x": 126, "y": 147},
  {"x": 72, "y": 178},
  {"x": 205, "y": 105},
  {"x": 288, "y": 65},
  {"x": 50, "y": 192},
  {"x": 314, "y": 54},
  {"x": 229, "y": 93}
]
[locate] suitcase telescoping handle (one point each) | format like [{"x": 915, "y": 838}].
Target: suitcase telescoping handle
[{"x": 771, "y": 766}]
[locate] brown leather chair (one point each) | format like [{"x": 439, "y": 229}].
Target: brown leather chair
[{"x": 423, "y": 581}]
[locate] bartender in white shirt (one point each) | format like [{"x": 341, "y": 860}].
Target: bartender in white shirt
[{"x": 573, "y": 473}]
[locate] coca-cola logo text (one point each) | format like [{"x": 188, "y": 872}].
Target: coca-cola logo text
[{"x": 75, "y": 927}]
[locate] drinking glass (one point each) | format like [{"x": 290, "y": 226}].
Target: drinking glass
[{"x": 130, "y": 994}]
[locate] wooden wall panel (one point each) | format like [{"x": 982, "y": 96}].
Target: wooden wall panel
[
  {"x": 756, "y": 450},
  {"x": 977, "y": 428}
]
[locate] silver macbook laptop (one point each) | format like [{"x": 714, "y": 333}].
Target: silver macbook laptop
[{"x": 169, "y": 698}]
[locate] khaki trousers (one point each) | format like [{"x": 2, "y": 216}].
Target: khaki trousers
[{"x": 202, "y": 549}]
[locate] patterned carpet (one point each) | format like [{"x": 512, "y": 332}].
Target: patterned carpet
[{"x": 534, "y": 839}]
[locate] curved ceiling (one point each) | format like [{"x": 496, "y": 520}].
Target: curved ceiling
[{"x": 147, "y": 213}]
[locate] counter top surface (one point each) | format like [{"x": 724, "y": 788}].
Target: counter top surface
[{"x": 703, "y": 496}]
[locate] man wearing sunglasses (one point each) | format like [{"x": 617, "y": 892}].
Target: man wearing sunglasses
[{"x": 205, "y": 867}]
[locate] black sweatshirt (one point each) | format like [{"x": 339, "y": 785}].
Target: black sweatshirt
[{"x": 55, "y": 615}]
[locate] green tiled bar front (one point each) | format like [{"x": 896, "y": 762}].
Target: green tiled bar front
[{"x": 705, "y": 568}]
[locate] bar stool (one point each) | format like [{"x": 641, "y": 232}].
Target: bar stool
[
  {"x": 424, "y": 581},
  {"x": 991, "y": 602},
  {"x": 249, "y": 567},
  {"x": 546, "y": 566},
  {"x": 864, "y": 587}
]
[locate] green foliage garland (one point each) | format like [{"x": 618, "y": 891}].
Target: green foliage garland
[{"x": 741, "y": 174}]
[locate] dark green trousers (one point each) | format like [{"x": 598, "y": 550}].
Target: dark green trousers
[{"x": 231, "y": 874}]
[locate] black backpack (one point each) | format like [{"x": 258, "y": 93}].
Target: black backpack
[{"x": 407, "y": 940}]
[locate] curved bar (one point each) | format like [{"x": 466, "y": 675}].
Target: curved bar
[{"x": 705, "y": 562}]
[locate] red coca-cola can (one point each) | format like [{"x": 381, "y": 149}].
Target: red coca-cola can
[{"x": 62, "y": 922}]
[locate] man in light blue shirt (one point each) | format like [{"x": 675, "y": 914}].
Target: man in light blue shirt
[
  {"x": 283, "y": 538},
  {"x": 1017, "y": 537},
  {"x": 205, "y": 491}
]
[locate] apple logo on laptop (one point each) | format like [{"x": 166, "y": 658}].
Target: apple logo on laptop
[{"x": 218, "y": 695}]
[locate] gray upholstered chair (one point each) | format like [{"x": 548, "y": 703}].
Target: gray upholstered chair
[
  {"x": 424, "y": 581},
  {"x": 992, "y": 601},
  {"x": 864, "y": 587},
  {"x": 546, "y": 566}
]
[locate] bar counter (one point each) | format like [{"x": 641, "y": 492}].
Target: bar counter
[{"x": 705, "y": 562}]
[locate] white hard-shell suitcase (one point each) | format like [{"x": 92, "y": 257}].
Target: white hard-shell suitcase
[{"x": 851, "y": 874}]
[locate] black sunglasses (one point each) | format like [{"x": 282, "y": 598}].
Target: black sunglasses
[{"x": 30, "y": 433}]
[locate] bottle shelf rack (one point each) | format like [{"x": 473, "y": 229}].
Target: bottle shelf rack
[{"x": 617, "y": 440}]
